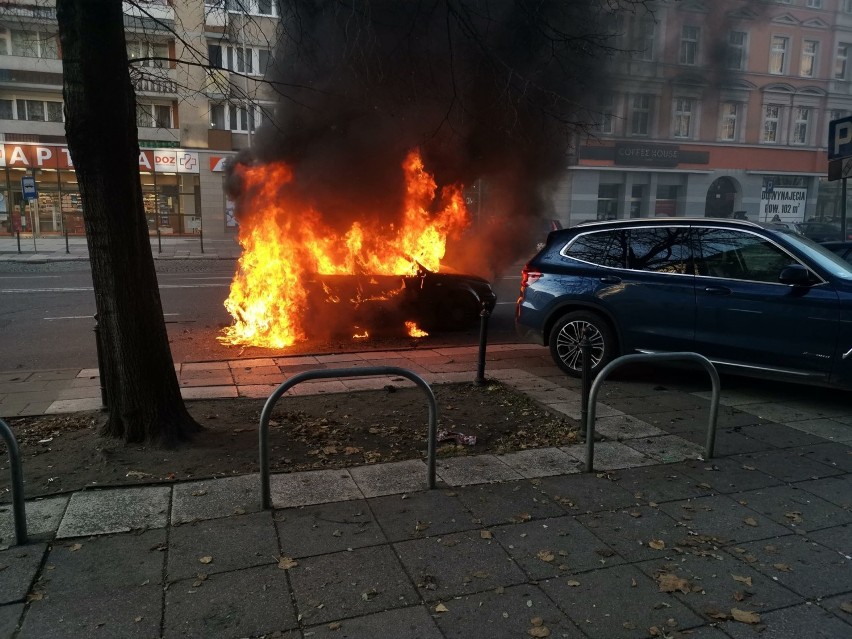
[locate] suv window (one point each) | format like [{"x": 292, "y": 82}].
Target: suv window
[
  {"x": 604, "y": 248},
  {"x": 735, "y": 254},
  {"x": 661, "y": 249}
]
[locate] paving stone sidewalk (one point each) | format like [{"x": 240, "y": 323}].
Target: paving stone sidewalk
[{"x": 659, "y": 541}]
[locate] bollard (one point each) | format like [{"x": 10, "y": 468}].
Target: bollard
[
  {"x": 19, "y": 513},
  {"x": 201, "y": 239},
  {"x": 19, "y": 240},
  {"x": 586, "y": 359},
  {"x": 66, "y": 241},
  {"x": 159, "y": 241},
  {"x": 483, "y": 339},
  {"x": 99, "y": 351}
]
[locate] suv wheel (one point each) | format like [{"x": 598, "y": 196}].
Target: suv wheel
[{"x": 565, "y": 342}]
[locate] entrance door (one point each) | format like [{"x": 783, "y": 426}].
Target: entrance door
[{"x": 720, "y": 198}]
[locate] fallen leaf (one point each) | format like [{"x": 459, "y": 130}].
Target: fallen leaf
[
  {"x": 670, "y": 582},
  {"x": 420, "y": 526},
  {"x": 334, "y": 625},
  {"x": 539, "y": 631},
  {"x": 522, "y": 517},
  {"x": 629, "y": 625},
  {"x": 481, "y": 574},
  {"x": 745, "y": 616},
  {"x": 75, "y": 547},
  {"x": 751, "y": 521},
  {"x": 573, "y": 583},
  {"x": 285, "y": 562},
  {"x": 742, "y": 580},
  {"x": 485, "y": 534},
  {"x": 846, "y": 606},
  {"x": 657, "y": 544},
  {"x": 717, "y": 614},
  {"x": 546, "y": 555},
  {"x": 537, "y": 621},
  {"x": 782, "y": 567},
  {"x": 794, "y": 516},
  {"x": 206, "y": 559},
  {"x": 441, "y": 608},
  {"x": 198, "y": 493},
  {"x": 137, "y": 619}
]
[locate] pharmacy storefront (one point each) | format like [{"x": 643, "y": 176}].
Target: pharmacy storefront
[{"x": 172, "y": 191}]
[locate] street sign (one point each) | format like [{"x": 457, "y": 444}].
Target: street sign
[
  {"x": 840, "y": 138},
  {"x": 28, "y": 186}
]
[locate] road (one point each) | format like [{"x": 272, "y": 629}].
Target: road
[{"x": 46, "y": 316}]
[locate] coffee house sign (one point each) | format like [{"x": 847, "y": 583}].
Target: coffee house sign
[
  {"x": 46, "y": 156},
  {"x": 647, "y": 154}
]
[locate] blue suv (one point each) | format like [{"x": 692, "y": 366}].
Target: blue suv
[{"x": 752, "y": 299}]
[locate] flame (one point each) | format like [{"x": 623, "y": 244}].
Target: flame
[
  {"x": 284, "y": 244},
  {"x": 414, "y": 330}
]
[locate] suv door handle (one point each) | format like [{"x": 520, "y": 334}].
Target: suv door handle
[
  {"x": 717, "y": 290},
  {"x": 610, "y": 279}
]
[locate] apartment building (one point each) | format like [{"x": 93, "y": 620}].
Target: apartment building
[
  {"x": 191, "y": 118},
  {"x": 719, "y": 108}
]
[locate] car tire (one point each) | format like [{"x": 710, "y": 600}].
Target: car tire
[{"x": 565, "y": 342}]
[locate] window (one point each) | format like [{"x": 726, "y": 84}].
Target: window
[
  {"x": 149, "y": 54},
  {"x": 778, "y": 55},
  {"x": 666, "y": 204},
  {"x": 733, "y": 254},
  {"x": 232, "y": 117},
  {"x": 251, "y": 7},
  {"x": 239, "y": 59},
  {"x": 33, "y": 44},
  {"x": 641, "y": 114},
  {"x": 661, "y": 250},
  {"x": 737, "y": 50},
  {"x": 7, "y": 111},
  {"x": 847, "y": 6},
  {"x": 807, "y": 66},
  {"x": 54, "y": 112},
  {"x": 643, "y": 38},
  {"x": 683, "y": 117},
  {"x": 840, "y": 61},
  {"x": 608, "y": 196},
  {"x": 154, "y": 115},
  {"x": 815, "y": 4},
  {"x": 604, "y": 248},
  {"x": 801, "y": 119},
  {"x": 606, "y": 106},
  {"x": 771, "y": 117},
  {"x": 689, "y": 45},
  {"x": 728, "y": 116}
]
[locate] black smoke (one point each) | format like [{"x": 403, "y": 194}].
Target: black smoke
[{"x": 491, "y": 91}]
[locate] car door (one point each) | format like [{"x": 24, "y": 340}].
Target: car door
[
  {"x": 745, "y": 316},
  {"x": 646, "y": 285}
]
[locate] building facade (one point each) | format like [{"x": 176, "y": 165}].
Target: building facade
[
  {"x": 200, "y": 98},
  {"x": 719, "y": 108}
]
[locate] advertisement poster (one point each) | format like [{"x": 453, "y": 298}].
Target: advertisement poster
[{"x": 787, "y": 203}]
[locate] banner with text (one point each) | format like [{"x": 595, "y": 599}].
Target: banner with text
[{"x": 788, "y": 203}]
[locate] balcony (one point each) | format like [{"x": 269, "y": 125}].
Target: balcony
[
  {"x": 155, "y": 81},
  {"x": 218, "y": 83}
]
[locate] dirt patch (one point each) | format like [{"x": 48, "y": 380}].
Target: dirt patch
[{"x": 62, "y": 453}]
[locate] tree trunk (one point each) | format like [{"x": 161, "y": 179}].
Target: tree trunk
[{"x": 142, "y": 392}]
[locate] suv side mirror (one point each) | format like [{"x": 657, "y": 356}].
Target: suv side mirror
[{"x": 795, "y": 274}]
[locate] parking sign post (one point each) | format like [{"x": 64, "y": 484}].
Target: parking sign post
[{"x": 840, "y": 160}]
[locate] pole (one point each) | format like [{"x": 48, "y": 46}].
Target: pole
[
  {"x": 18, "y": 233},
  {"x": 201, "y": 238},
  {"x": 66, "y": 241},
  {"x": 159, "y": 241},
  {"x": 483, "y": 339},
  {"x": 586, "y": 354},
  {"x": 843, "y": 212}
]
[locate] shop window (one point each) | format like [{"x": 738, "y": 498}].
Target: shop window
[
  {"x": 608, "y": 201},
  {"x": 666, "y": 204},
  {"x": 637, "y": 194}
]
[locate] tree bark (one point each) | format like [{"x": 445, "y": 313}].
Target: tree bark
[{"x": 142, "y": 391}]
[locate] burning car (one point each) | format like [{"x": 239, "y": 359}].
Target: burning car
[{"x": 307, "y": 274}]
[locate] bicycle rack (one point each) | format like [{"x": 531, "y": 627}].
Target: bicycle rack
[
  {"x": 265, "y": 494},
  {"x": 652, "y": 357},
  {"x": 19, "y": 514}
]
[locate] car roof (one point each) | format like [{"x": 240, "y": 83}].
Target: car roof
[{"x": 666, "y": 221}]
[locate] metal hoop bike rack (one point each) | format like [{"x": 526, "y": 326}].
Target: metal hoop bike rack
[
  {"x": 376, "y": 371},
  {"x": 19, "y": 514},
  {"x": 652, "y": 357}
]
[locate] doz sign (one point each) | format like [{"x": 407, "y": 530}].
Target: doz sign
[
  {"x": 840, "y": 138},
  {"x": 175, "y": 162}
]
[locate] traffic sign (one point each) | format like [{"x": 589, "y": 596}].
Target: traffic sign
[
  {"x": 28, "y": 186},
  {"x": 840, "y": 138}
]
